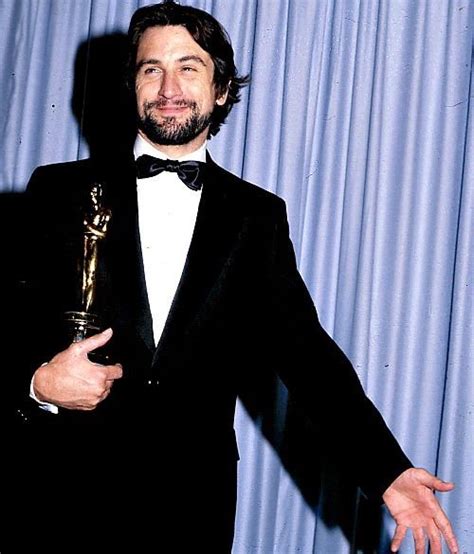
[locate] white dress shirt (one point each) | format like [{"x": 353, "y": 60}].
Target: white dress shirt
[{"x": 167, "y": 212}]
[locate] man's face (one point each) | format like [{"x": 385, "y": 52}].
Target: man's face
[{"x": 174, "y": 87}]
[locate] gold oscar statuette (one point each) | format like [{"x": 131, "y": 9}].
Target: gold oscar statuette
[{"x": 85, "y": 321}]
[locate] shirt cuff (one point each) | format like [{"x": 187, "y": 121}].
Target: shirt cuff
[{"x": 47, "y": 406}]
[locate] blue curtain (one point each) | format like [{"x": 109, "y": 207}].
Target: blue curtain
[{"x": 360, "y": 115}]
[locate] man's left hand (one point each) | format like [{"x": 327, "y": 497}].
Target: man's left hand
[{"x": 412, "y": 504}]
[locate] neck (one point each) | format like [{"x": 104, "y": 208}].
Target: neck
[{"x": 175, "y": 151}]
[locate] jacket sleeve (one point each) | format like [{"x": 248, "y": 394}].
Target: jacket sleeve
[
  {"x": 323, "y": 382},
  {"x": 28, "y": 299},
  {"x": 21, "y": 313}
]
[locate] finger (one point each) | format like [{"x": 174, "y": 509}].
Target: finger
[
  {"x": 420, "y": 542},
  {"x": 398, "y": 537},
  {"x": 91, "y": 343},
  {"x": 104, "y": 394},
  {"x": 447, "y": 531},
  {"x": 113, "y": 372},
  {"x": 434, "y": 537}
]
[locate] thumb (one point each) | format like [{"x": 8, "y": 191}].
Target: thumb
[
  {"x": 91, "y": 343},
  {"x": 442, "y": 486},
  {"x": 436, "y": 483}
]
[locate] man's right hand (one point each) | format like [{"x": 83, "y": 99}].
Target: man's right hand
[{"x": 70, "y": 380}]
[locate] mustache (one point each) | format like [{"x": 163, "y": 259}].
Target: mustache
[{"x": 167, "y": 103}]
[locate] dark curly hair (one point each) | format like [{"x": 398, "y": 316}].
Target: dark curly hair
[{"x": 211, "y": 37}]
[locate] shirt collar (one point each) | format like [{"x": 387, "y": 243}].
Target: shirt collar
[{"x": 144, "y": 147}]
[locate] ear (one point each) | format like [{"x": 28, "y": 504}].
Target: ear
[{"x": 222, "y": 98}]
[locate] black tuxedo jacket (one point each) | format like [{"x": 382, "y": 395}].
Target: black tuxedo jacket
[{"x": 241, "y": 312}]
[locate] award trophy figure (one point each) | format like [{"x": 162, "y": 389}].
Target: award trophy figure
[{"x": 84, "y": 322}]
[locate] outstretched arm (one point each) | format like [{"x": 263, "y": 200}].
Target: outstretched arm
[{"x": 412, "y": 504}]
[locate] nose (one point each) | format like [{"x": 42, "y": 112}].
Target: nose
[{"x": 169, "y": 85}]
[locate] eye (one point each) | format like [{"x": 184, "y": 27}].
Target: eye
[
  {"x": 150, "y": 70},
  {"x": 188, "y": 68}
]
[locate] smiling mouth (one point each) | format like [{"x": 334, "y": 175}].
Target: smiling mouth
[{"x": 171, "y": 110}]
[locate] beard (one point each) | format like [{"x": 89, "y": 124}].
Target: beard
[{"x": 169, "y": 131}]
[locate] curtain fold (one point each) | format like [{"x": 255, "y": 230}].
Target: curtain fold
[{"x": 359, "y": 114}]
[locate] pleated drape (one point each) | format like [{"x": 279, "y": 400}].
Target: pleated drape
[{"x": 360, "y": 115}]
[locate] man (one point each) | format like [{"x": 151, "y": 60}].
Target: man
[{"x": 199, "y": 284}]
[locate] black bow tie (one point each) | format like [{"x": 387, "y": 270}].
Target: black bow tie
[{"x": 188, "y": 172}]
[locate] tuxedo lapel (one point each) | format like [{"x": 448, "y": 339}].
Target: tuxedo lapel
[
  {"x": 216, "y": 231},
  {"x": 128, "y": 277}
]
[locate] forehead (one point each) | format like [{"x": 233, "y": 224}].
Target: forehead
[{"x": 169, "y": 43}]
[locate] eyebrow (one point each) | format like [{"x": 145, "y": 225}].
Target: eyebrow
[
  {"x": 183, "y": 59},
  {"x": 193, "y": 58}
]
